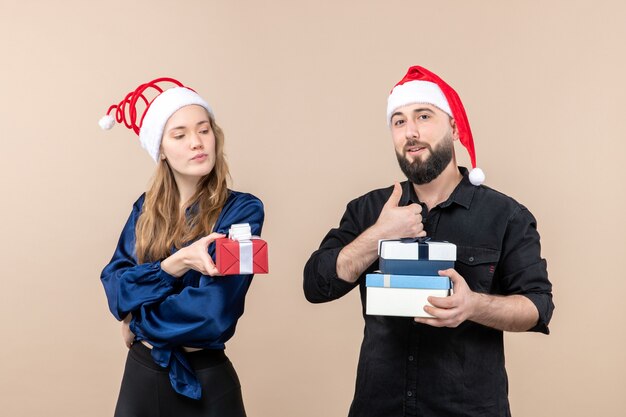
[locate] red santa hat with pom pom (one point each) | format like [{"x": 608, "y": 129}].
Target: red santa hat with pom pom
[
  {"x": 146, "y": 110},
  {"x": 422, "y": 86}
]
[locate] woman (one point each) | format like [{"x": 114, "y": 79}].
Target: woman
[{"x": 162, "y": 281}]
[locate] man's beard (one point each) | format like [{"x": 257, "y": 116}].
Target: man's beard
[{"x": 422, "y": 172}]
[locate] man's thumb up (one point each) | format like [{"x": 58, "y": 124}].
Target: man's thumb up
[{"x": 395, "y": 196}]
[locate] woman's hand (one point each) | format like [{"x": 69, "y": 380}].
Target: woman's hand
[
  {"x": 127, "y": 334},
  {"x": 195, "y": 256}
]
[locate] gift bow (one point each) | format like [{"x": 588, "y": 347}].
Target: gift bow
[
  {"x": 424, "y": 239},
  {"x": 240, "y": 231}
]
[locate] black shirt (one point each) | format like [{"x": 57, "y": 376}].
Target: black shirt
[{"x": 411, "y": 369}]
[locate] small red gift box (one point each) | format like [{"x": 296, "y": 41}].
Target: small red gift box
[{"x": 235, "y": 256}]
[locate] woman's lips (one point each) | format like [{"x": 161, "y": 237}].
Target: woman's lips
[{"x": 200, "y": 157}]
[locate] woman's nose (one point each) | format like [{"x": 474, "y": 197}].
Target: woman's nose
[{"x": 196, "y": 142}]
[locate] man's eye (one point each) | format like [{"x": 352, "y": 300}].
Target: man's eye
[
  {"x": 423, "y": 116},
  {"x": 398, "y": 122}
]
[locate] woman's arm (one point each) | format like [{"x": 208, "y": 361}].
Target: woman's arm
[
  {"x": 206, "y": 314},
  {"x": 127, "y": 284}
]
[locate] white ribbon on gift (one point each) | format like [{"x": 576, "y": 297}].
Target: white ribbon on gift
[
  {"x": 387, "y": 281},
  {"x": 243, "y": 234}
]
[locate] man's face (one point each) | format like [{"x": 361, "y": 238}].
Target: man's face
[{"x": 423, "y": 138}]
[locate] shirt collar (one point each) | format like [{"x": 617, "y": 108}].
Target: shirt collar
[{"x": 462, "y": 194}]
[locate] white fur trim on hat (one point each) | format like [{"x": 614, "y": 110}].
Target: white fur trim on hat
[
  {"x": 413, "y": 92},
  {"x": 160, "y": 110}
]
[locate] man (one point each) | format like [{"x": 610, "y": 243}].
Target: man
[{"x": 451, "y": 364}]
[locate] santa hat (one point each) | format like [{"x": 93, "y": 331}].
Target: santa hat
[
  {"x": 147, "y": 109},
  {"x": 422, "y": 86}
]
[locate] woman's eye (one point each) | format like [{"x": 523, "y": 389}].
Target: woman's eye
[
  {"x": 205, "y": 131},
  {"x": 179, "y": 136}
]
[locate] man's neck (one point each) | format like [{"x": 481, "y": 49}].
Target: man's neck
[{"x": 438, "y": 190}]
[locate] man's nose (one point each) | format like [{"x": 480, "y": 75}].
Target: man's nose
[{"x": 411, "y": 131}]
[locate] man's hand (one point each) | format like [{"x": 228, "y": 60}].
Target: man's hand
[
  {"x": 397, "y": 222},
  {"x": 452, "y": 310},
  {"x": 512, "y": 313},
  {"x": 393, "y": 222}
]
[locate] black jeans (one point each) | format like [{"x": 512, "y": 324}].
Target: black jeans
[{"x": 146, "y": 389}]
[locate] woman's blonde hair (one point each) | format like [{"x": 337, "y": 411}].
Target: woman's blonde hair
[{"x": 162, "y": 226}]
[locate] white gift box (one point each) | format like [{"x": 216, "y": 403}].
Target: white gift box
[
  {"x": 415, "y": 257},
  {"x": 403, "y": 295}
]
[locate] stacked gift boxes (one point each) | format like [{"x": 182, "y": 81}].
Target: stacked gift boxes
[{"x": 408, "y": 276}]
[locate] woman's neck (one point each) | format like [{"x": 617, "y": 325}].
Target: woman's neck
[{"x": 186, "y": 188}]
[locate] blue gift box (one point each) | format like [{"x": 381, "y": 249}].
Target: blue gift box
[
  {"x": 403, "y": 295},
  {"x": 407, "y": 281},
  {"x": 415, "y": 256},
  {"x": 406, "y": 267}
]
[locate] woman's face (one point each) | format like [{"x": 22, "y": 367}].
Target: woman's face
[{"x": 188, "y": 143}]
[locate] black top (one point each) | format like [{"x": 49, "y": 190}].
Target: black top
[{"x": 410, "y": 369}]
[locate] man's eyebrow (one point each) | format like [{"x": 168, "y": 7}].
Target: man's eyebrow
[
  {"x": 421, "y": 109},
  {"x": 418, "y": 110},
  {"x": 398, "y": 113}
]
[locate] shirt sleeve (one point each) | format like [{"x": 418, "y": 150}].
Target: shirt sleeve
[
  {"x": 321, "y": 283},
  {"x": 523, "y": 270},
  {"x": 204, "y": 315},
  {"x": 128, "y": 285}
]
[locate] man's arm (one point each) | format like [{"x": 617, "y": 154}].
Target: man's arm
[
  {"x": 526, "y": 303},
  {"x": 394, "y": 222},
  {"x": 333, "y": 270},
  {"x": 512, "y": 313},
  {"x": 356, "y": 257}
]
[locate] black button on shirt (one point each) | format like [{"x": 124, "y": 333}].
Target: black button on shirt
[{"x": 449, "y": 372}]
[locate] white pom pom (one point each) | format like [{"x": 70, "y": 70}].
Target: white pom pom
[
  {"x": 477, "y": 176},
  {"x": 106, "y": 122}
]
